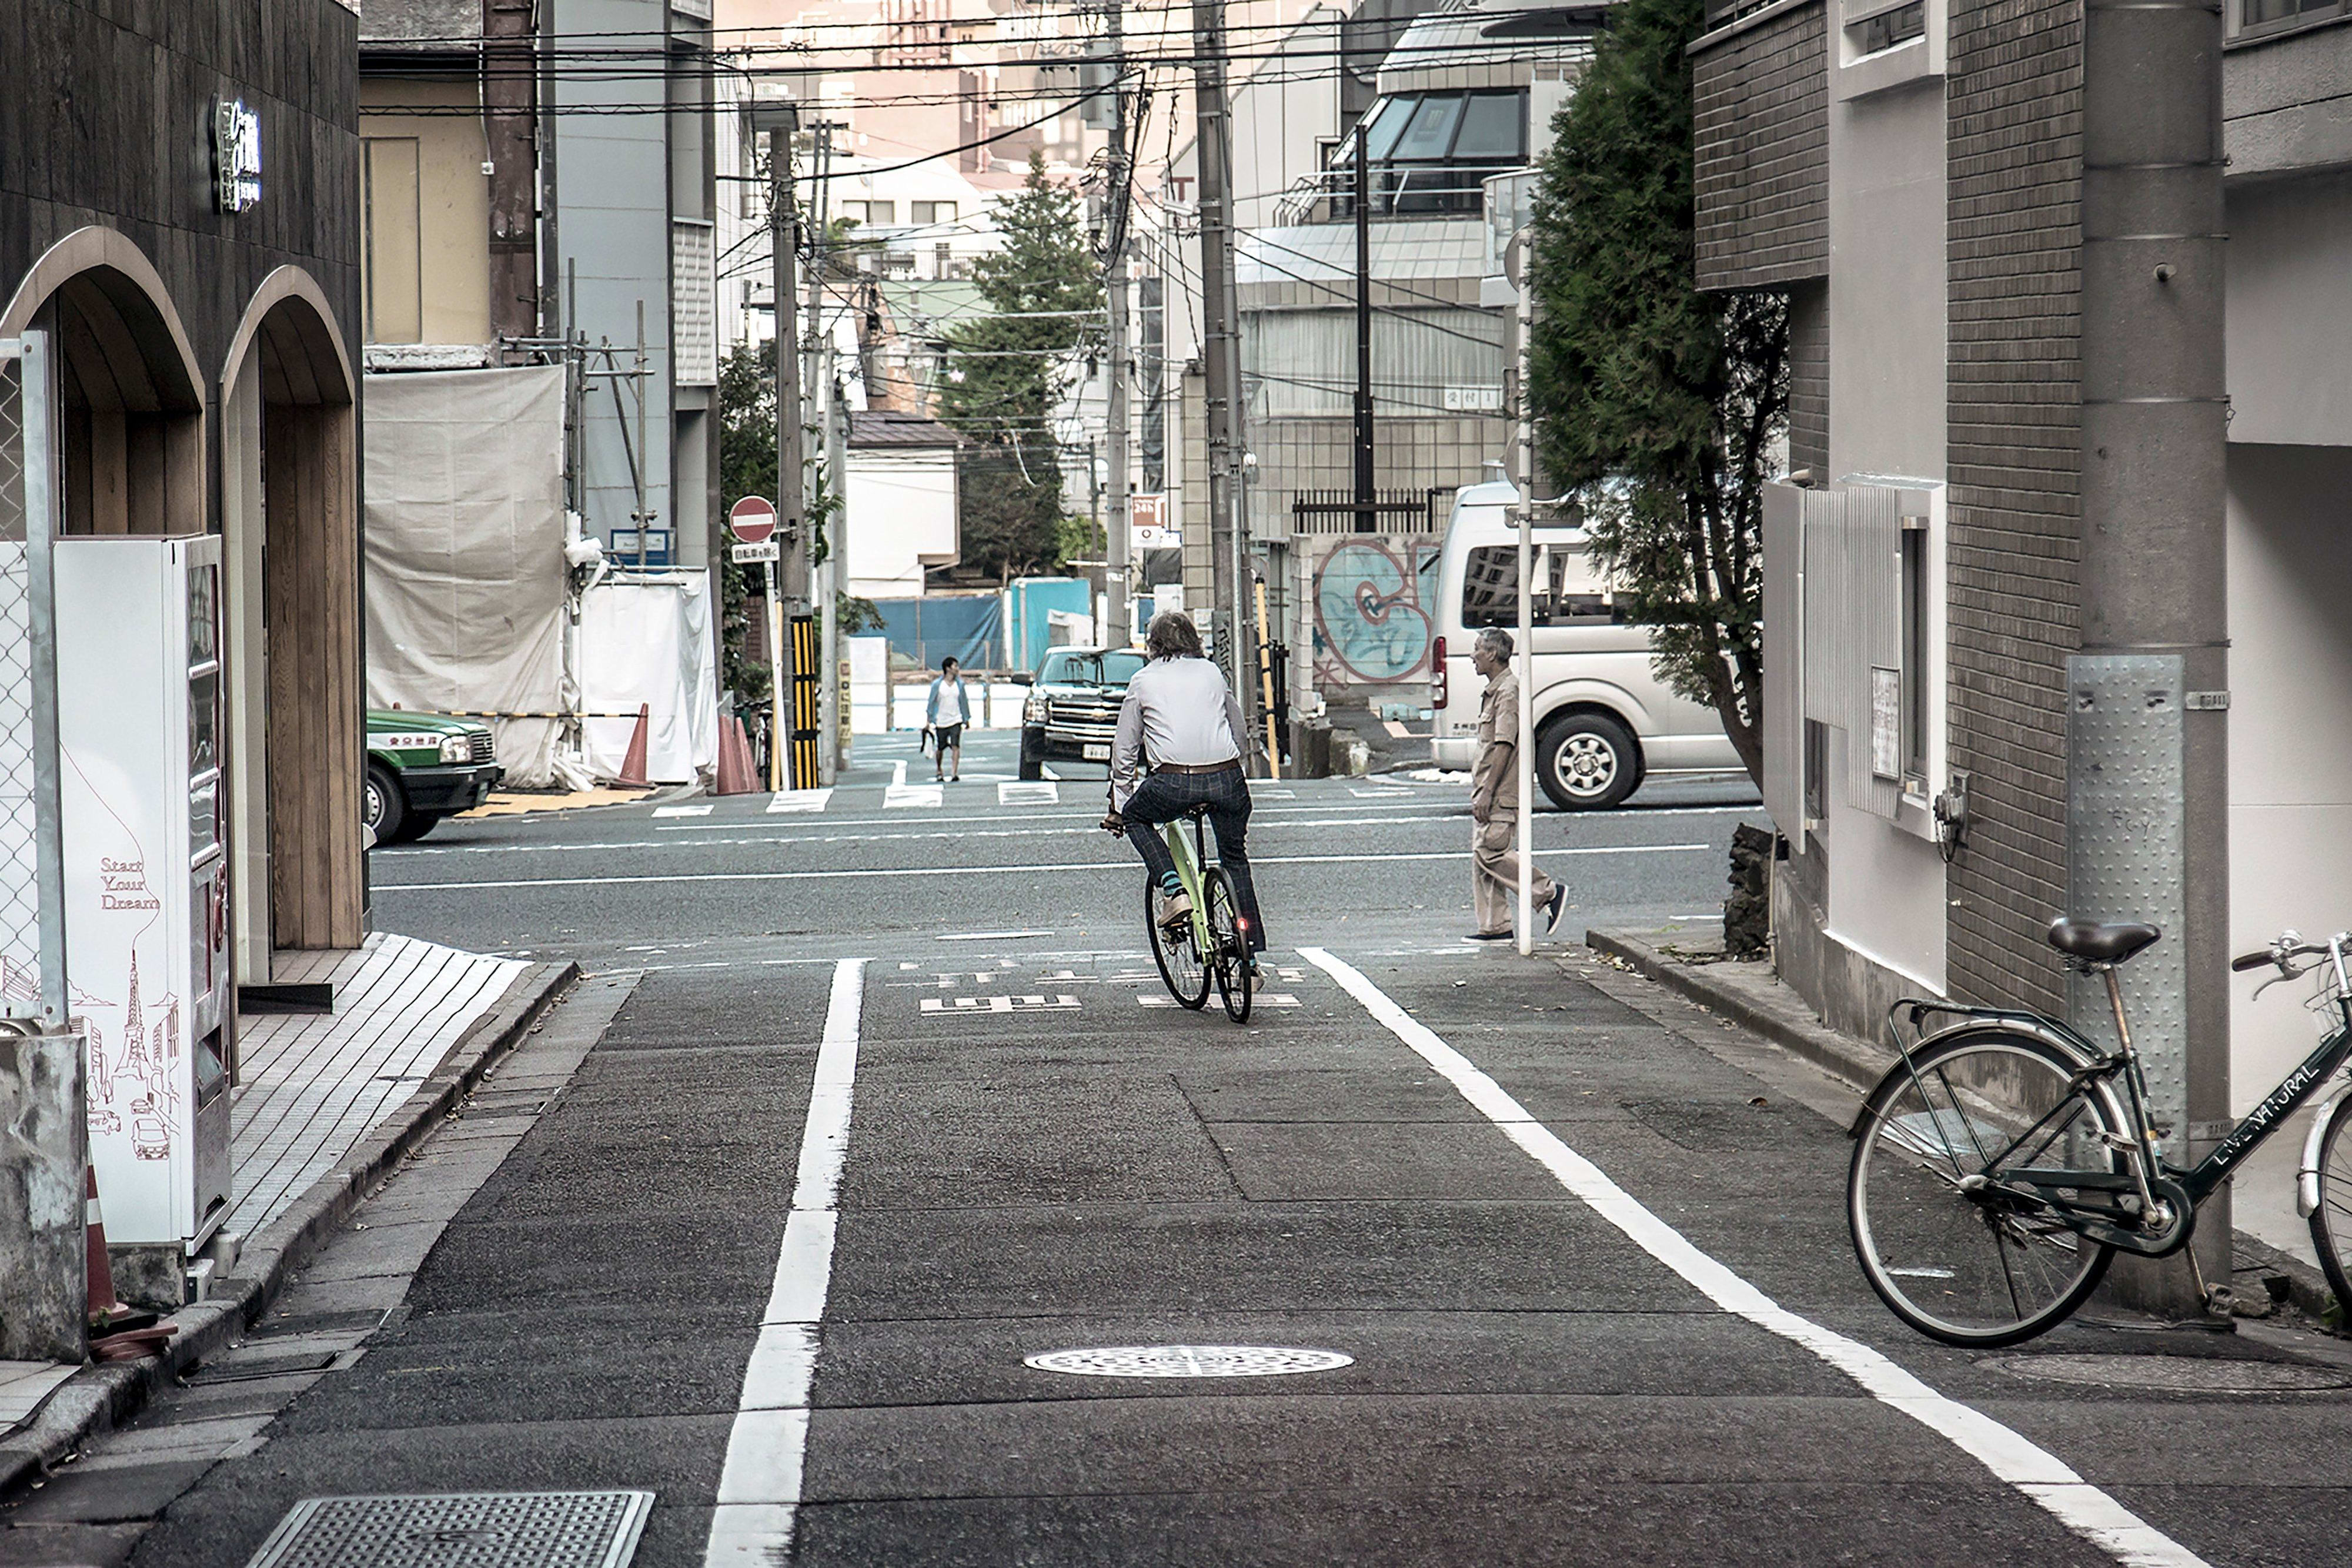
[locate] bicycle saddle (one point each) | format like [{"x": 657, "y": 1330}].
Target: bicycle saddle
[{"x": 2098, "y": 942}]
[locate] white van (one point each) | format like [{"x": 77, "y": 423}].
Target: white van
[{"x": 1603, "y": 719}]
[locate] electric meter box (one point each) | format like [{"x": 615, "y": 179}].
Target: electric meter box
[{"x": 139, "y": 731}]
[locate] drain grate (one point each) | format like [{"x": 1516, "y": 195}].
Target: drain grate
[
  {"x": 1187, "y": 1361},
  {"x": 460, "y": 1530},
  {"x": 2178, "y": 1373}
]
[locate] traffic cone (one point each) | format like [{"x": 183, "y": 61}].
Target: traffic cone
[
  {"x": 102, "y": 1304},
  {"x": 734, "y": 761},
  {"x": 633, "y": 766}
]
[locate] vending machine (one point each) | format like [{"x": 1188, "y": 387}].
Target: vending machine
[{"x": 147, "y": 929}]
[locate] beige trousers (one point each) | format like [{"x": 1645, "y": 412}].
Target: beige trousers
[{"x": 1494, "y": 874}]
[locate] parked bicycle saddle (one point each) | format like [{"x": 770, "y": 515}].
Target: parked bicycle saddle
[{"x": 2101, "y": 942}]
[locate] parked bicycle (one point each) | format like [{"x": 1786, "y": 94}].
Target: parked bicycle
[
  {"x": 2005, "y": 1159},
  {"x": 1208, "y": 945}
]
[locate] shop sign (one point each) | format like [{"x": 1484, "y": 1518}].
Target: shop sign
[
  {"x": 1146, "y": 516},
  {"x": 237, "y": 156}
]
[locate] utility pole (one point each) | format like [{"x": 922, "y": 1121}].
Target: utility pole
[
  {"x": 2147, "y": 780},
  {"x": 791, "y": 504},
  {"x": 1222, "y": 358},
  {"x": 816, "y": 376},
  {"x": 1367, "y": 502},
  {"x": 835, "y": 749},
  {"x": 1119, "y": 629}
]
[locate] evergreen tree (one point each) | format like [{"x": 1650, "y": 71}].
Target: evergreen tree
[
  {"x": 1658, "y": 406},
  {"x": 1006, "y": 373}
]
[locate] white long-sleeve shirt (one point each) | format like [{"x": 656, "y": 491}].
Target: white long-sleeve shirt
[{"x": 1177, "y": 710}]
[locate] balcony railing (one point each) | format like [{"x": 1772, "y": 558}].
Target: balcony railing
[{"x": 1399, "y": 188}]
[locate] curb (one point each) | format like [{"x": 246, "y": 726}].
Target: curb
[
  {"x": 1791, "y": 1025},
  {"x": 104, "y": 1395}
]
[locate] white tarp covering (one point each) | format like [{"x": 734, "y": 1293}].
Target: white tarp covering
[
  {"x": 466, "y": 574},
  {"x": 645, "y": 639}
]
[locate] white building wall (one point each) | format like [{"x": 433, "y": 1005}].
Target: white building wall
[
  {"x": 901, "y": 517},
  {"x": 1885, "y": 891}
]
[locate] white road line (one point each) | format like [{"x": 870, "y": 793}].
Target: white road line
[
  {"x": 902, "y": 794},
  {"x": 1039, "y": 792},
  {"x": 990, "y": 935},
  {"x": 692, "y": 876},
  {"x": 795, "y": 801},
  {"x": 702, "y": 811},
  {"x": 760, "y": 1485},
  {"x": 2010, "y": 1456}
]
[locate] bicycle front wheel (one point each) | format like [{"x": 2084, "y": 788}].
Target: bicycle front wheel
[
  {"x": 1173, "y": 948},
  {"x": 1956, "y": 1260},
  {"x": 1234, "y": 977},
  {"x": 2331, "y": 1222}
]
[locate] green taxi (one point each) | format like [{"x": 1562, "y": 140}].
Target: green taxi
[{"x": 421, "y": 767}]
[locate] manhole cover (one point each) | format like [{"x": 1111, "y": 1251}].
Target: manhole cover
[
  {"x": 2178, "y": 1373},
  {"x": 1187, "y": 1361},
  {"x": 460, "y": 1530}
]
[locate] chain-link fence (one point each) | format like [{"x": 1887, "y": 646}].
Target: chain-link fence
[{"x": 21, "y": 824}]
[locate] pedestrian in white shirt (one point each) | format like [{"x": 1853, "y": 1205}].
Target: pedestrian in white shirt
[
  {"x": 1494, "y": 801},
  {"x": 1179, "y": 719},
  {"x": 944, "y": 715}
]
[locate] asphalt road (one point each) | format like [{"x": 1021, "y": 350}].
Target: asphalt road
[{"x": 773, "y": 1216}]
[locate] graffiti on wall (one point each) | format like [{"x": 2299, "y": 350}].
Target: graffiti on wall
[{"x": 1375, "y": 599}]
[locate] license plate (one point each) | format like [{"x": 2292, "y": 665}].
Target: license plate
[{"x": 1097, "y": 754}]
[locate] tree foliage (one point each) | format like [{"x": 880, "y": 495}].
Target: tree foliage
[
  {"x": 1657, "y": 406},
  {"x": 1006, "y": 373}
]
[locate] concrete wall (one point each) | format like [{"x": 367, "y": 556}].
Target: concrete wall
[
  {"x": 2290, "y": 310},
  {"x": 2290, "y": 729}
]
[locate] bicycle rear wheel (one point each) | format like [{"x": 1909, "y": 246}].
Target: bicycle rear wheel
[
  {"x": 1974, "y": 1268},
  {"x": 1175, "y": 951},
  {"x": 2331, "y": 1222},
  {"x": 1234, "y": 977}
]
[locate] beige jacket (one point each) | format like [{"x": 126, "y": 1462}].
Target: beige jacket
[{"x": 1493, "y": 779}]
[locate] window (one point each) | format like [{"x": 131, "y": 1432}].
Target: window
[
  {"x": 1884, "y": 27},
  {"x": 2273, "y": 16},
  {"x": 928, "y": 213},
  {"x": 1569, "y": 591},
  {"x": 1431, "y": 153},
  {"x": 393, "y": 303},
  {"x": 1914, "y": 771}
]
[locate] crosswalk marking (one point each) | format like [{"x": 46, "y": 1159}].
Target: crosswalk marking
[
  {"x": 702, "y": 810},
  {"x": 1015, "y": 793},
  {"x": 798, "y": 801},
  {"x": 966, "y": 1006},
  {"x": 902, "y": 794}
]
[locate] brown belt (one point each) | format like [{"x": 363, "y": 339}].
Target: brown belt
[{"x": 1197, "y": 767}]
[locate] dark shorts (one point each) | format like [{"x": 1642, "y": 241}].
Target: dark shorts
[{"x": 949, "y": 734}]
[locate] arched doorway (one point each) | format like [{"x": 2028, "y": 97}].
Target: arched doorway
[
  {"x": 290, "y": 509},
  {"x": 132, "y": 424}
]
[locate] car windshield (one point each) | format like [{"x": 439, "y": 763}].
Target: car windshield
[{"x": 1070, "y": 668}]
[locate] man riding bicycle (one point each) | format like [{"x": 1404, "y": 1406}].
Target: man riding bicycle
[{"x": 1180, "y": 713}]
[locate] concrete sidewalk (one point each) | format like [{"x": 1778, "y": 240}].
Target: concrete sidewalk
[
  {"x": 326, "y": 1106},
  {"x": 1687, "y": 958}
]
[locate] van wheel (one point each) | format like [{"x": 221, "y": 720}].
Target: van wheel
[{"x": 1587, "y": 762}]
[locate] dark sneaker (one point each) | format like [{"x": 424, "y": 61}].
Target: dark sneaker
[
  {"x": 1488, "y": 936},
  {"x": 1553, "y": 905}
]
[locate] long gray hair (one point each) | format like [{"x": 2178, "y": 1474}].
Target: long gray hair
[{"x": 1173, "y": 635}]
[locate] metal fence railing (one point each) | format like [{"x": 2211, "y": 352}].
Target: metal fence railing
[{"x": 32, "y": 883}]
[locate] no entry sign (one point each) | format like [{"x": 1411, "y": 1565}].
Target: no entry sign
[{"x": 752, "y": 518}]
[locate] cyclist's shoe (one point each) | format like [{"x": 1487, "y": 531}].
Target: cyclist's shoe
[
  {"x": 1176, "y": 911},
  {"x": 1553, "y": 905}
]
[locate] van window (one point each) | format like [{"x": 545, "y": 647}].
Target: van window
[{"x": 1569, "y": 591}]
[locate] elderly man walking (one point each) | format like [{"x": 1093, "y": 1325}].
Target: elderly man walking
[{"x": 1494, "y": 800}]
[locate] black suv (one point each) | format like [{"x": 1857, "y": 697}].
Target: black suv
[{"x": 1072, "y": 713}]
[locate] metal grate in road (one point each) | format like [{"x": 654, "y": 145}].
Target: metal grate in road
[
  {"x": 2178, "y": 1373},
  {"x": 460, "y": 1530},
  {"x": 1187, "y": 1361}
]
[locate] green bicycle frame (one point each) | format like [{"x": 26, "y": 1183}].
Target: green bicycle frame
[{"x": 1188, "y": 872}]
